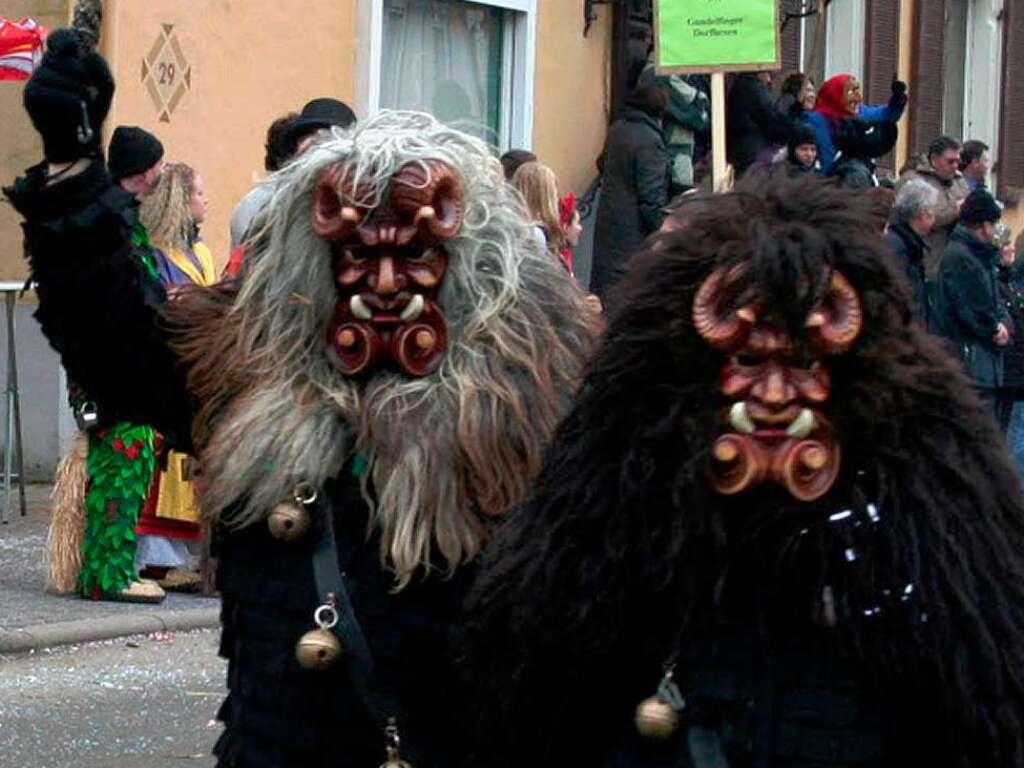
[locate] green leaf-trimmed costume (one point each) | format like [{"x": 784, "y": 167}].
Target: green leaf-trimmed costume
[{"x": 121, "y": 464}]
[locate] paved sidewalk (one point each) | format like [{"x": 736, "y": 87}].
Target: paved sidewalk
[{"x": 31, "y": 619}]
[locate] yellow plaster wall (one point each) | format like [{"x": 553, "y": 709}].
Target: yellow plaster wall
[
  {"x": 251, "y": 61},
  {"x": 571, "y": 90},
  {"x": 19, "y": 144}
]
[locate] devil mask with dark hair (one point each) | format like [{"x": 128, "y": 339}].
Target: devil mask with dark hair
[{"x": 777, "y": 506}]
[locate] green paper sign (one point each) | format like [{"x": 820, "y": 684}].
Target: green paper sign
[{"x": 716, "y": 35}]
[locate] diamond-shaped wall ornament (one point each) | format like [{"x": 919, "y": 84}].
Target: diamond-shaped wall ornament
[{"x": 166, "y": 72}]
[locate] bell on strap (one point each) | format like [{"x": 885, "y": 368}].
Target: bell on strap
[
  {"x": 289, "y": 520},
  {"x": 657, "y": 717},
  {"x": 319, "y": 648},
  {"x": 392, "y": 744}
]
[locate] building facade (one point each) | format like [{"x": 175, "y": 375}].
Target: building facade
[{"x": 208, "y": 77}]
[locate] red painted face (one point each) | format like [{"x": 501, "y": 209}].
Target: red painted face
[
  {"x": 389, "y": 265},
  {"x": 774, "y": 428}
]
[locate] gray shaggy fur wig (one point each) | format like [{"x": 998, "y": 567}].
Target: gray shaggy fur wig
[{"x": 446, "y": 451}]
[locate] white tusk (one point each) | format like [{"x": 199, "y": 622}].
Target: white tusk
[
  {"x": 740, "y": 420},
  {"x": 413, "y": 309},
  {"x": 802, "y": 425},
  {"x": 359, "y": 308}
]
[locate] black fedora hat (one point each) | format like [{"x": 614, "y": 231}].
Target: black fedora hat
[{"x": 321, "y": 113}]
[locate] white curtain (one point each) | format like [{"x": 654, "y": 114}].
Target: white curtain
[{"x": 436, "y": 59}]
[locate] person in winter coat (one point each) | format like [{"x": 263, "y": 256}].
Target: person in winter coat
[
  {"x": 801, "y": 152},
  {"x": 839, "y": 99},
  {"x": 754, "y": 126},
  {"x": 798, "y": 94},
  {"x": 634, "y": 179},
  {"x": 941, "y": 169},
  {"x": 913, "y": 215},
  {"x": 859, "y": 144},
  {"x": 968, "y": 308},
  {"x": 975, "y": 162},
  {"x": 686, "y": 115}
]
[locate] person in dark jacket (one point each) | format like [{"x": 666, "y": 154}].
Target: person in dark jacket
[
  {"x": 913, "y": 215},
  {"x": 801, "y": 152},
  {"x": 968, "y": 309},
  {"x": 754, "y": 124},
  {"x": 858, "y": 144},
  {"x": 634, "y": 179}
]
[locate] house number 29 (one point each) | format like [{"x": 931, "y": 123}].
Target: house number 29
[{"x": 166, "y": 73}]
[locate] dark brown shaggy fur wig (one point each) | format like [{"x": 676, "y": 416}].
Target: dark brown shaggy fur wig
[{"x": 624, "y": 547}]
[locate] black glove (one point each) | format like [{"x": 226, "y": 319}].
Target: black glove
[
  {"x": 899, "y": 94},
  {"x": 68, "y": 97}
]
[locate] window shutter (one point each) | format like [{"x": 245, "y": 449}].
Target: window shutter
[
  {"x": 1010, "y": 169},
  {"x": 881, "y": 57},
  {"x": 926, "y": 87},
  {"x": 789, "y": 39}
]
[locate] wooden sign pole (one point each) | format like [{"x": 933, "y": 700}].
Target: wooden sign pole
[{"x": 718, "y": 164}]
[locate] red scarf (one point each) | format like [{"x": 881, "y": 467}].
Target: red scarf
[{"x": 832, "y": 98}]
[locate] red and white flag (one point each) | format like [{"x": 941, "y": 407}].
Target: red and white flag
[{"x": 21, "y": 48}]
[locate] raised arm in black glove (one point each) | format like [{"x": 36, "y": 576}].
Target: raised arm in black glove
[
  {"x": 99, "y": 298},
  {"x": 898, "y": 99}
]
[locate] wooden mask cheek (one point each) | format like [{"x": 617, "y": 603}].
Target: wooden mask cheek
[
  {"x": 428, "y": 272},
  {"x": 737, "y": 380},
  {"x": 351, "y": 269}
]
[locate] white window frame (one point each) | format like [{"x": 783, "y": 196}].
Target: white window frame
[
  {"x": 983, "y": 67},
  {"x": 518, "y": 66},
  {"x": 844, "y": 39}
]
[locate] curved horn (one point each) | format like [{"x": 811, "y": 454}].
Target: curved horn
[
  {"x": 333, "y": 219},
  {"x": 428, "y": 193},
  {"x": 843, "y": 316},
  {"x": 722, "y": 331}
]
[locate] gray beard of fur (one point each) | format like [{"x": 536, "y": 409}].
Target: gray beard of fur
[{"x": 445, "y": 451}]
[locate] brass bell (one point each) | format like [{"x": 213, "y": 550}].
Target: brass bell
[
  {"x": 655, "y": 719},
  {"x": 288, "y": 521},
  {"x": 318, "y": 649}
]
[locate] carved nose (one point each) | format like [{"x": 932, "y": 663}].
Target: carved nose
[
  {"x": 773, "y": 388},
  {"x": 387, "y": 282}
]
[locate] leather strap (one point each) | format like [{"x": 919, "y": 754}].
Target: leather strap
[{"x": 383, "y": 707}]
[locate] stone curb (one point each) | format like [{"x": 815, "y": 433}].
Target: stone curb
[{"x": 41, "y": 636}]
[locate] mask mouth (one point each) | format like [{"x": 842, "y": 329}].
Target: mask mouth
[
  {"x": 791, "y": 423},
  {"x": 404, "y": 308}
]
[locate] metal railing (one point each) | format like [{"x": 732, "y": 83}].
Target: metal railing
[{"x": 12, "y": 413}]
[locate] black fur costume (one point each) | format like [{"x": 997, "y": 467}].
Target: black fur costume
[{"x": 626, "y": 557}]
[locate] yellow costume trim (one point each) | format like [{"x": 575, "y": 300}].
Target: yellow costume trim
[{"x": 207, "y": 276}]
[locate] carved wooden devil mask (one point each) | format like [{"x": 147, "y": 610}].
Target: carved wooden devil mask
[
  {"x": 389, "y": 264},
  {"x": 774, "y": 426}
]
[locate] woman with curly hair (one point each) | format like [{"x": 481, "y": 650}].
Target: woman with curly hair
[
  {"x": 170, "y": 517},
  {"x": 172, "y": 215}
]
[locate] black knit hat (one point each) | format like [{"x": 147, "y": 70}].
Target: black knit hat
[
  {"x": 321, "y": 113},
  {"x": 980, "y": 207},
  {"x": 68, "y": 97},
  {"x": 802, "y": 134},
  {"x": 132, "y": 150}
]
